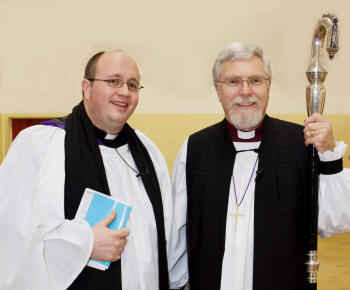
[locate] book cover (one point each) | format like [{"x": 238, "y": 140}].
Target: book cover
[{"x": 94, "y": 207}]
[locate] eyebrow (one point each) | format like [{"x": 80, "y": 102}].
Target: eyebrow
[{"x": 120, "y": 77}]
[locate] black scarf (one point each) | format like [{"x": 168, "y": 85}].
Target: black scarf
[{"x": 84, "y": 168}]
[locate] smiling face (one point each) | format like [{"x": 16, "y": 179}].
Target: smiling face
[
  {"x": 244, "y": 107},
  {"x": 109, "y": 108}
]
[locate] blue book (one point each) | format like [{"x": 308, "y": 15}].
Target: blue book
[{"x": 94, "y": 207}]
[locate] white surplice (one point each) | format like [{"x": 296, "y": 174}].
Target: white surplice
[
  {"x": 237, "y": 265},
  {"x": 39, "y": 248}
]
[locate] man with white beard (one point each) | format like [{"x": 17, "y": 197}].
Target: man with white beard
[{"x": 242, "y": 183}]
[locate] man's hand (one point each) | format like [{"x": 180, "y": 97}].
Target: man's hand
[
  {"x": 318, "y": 131},
  {"x": 108, "y": 244}
]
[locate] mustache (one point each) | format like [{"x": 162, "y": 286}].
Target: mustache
[{"x": 241, "y": 100}]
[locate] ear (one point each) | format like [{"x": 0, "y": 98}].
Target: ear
[
  {"x": 86, "y": 86},
  {"x": 218, "y": 90}
]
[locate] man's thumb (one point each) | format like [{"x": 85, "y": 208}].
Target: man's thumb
[{"x": 109, "y": 219}]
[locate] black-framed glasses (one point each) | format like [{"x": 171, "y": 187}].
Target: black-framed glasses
[
  {"x": 133, "y": 86},
  {"x": 253, "y": 82}
]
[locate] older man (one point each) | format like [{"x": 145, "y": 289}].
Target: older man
[
  {"x": 42, "y": 180},
  {"x": 244, "y": 180}
]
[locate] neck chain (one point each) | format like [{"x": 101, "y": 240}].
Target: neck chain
[
  {"x": 237, "y": 214},
  {"x": 132, "y": 168},
  {"x": 245, "y": 191}
]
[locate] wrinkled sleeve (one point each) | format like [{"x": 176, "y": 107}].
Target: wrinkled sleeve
[
  {"x": 334, "y": 196},
  {"x": 178, "y": 266},
  {"x": 39, "y": 248}
]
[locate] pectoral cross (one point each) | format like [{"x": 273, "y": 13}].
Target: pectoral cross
[{"x": 236, "y": 215}]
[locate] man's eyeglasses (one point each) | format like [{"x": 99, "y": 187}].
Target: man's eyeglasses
[
  {"x": 253, "y": 82},
  {"x": 118, "y": 83}
]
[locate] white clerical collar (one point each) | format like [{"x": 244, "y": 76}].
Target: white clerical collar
[
  {"x": 242, "y": 136},
  {"x": 246, "y": 135},
  {"x": 110, "y": 136}
]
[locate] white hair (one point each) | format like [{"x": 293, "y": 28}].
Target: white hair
[{"x": 236, "y": 51}]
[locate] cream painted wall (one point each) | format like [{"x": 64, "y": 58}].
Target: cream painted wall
[{"x": 45, "y": 45}]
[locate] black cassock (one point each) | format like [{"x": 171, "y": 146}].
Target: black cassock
[{"x": 279, "y": 213}]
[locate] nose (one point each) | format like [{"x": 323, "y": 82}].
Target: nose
[{"x": 245, "y": 88}]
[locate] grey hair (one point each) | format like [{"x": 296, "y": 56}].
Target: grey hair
[{"x": 237, "y": 51}]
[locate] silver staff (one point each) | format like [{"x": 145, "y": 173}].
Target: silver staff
[{"x": 326, "y": 32}]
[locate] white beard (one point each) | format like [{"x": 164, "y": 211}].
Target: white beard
[{"x": 246, "y": 119}]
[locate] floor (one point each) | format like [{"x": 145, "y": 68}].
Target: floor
[{"x": 334, "y": 258}]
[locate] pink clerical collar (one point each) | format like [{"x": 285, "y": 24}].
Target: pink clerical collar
[{"x": 242, "y": 136}]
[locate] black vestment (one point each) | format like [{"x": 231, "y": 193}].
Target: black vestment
[{"x": 279, "y": 222}]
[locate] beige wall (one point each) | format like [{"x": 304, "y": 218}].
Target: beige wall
[{"x": 45, "y": 44}]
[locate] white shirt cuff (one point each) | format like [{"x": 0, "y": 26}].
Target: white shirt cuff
[{"x": 337, "y": 153}]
